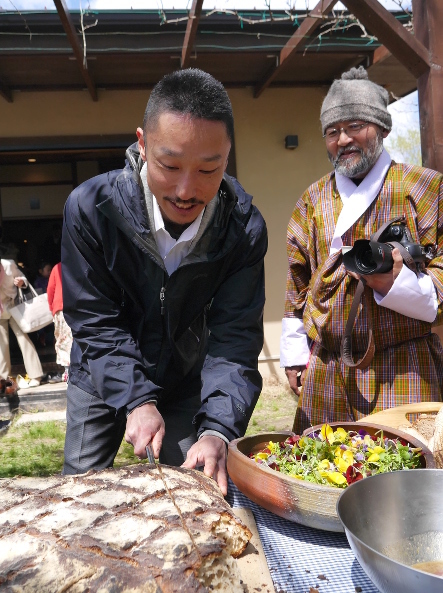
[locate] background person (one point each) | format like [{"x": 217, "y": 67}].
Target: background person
[
  {"x": 365, "y": 190},
  {"x": 62, "y": 331},
  {"x": 163, "y": 288},
  {"x": 12, "y": 280},
  {"x": 41, "y": 282},
  {"x": 45, "y": 336}
]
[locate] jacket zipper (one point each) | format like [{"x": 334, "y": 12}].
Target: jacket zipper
[
  {"x": 162, "y": 300},
  {"x": 160, "y": 364}
]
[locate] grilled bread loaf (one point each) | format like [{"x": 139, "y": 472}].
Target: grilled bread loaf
[{"x": 131, "y": 530}]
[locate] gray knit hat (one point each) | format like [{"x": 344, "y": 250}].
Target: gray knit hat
[{"x": 354, "y": 96}]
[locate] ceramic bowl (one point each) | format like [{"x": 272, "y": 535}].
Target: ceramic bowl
[{"x": 313, "y": 505}]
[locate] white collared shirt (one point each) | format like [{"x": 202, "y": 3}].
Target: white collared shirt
[{"x": 173, "y": 251}]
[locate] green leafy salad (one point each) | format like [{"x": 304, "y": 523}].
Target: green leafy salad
[{"x": 338, "y": 457}]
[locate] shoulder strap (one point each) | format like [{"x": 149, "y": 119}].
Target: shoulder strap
[{"x": 346, "y": 343}]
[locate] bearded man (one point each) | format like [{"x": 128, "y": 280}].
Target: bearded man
[{"x": 365, "y": 191}]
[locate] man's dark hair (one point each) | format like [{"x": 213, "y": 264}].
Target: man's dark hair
[{"x": 190, "y": 92}]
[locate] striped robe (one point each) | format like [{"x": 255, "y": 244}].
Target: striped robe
[{"x": 408, "y": 362}]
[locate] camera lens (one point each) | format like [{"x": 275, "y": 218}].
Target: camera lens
[
  {"x": 396, "y": 231},
  {"x": 365, "y": 261}
]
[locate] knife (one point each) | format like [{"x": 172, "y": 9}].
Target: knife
[{"x": 149, "y": 454}]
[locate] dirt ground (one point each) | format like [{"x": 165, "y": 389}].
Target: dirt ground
[{"x": 275, "y": 409}]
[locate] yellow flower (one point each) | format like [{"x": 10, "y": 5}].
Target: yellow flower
[
  {"x": 327, "y": 433},
  {"x": 341, "y": 464},
  {"x": 274, "y": 447},
  {"x": 374, "y": 458},
  {"x": 324, "y": 464},
  {"x": 336, "y": 477},
  {"x": 262, "y": 456},
  {"x": 348, "y": 456},
  {"x": 296, "y": 476},
  {"x": 340, "y": 434},
  {"x": 379, "y": 449},
  {"x": 345, "y": 454}
]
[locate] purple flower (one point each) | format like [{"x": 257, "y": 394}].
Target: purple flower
[{"x": 359, "y": 457}]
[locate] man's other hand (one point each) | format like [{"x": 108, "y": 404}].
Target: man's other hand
[
  {"x": 145, "y": 426},
  {"x": 382, "y": 283},
  {"x": 210, "y": 451},
  {"x": 296, "y": 377}
]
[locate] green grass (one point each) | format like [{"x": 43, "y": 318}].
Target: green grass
[
  {"x": 32, "y": 449},
  {"x": 36, "y": 449},
  {"x": 275, "y": 410}
]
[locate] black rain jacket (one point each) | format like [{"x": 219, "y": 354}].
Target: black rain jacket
[{"x": 141, "y": 335}]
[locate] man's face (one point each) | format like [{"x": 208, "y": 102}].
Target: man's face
[
  {"x": 356, "y": 148},
  {"x": 186, "y": 160}
]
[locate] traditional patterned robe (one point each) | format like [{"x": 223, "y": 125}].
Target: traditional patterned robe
[{"x": 408, "y": 362}]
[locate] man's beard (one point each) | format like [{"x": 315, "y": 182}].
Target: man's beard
[{"x": 368, "y": 158}]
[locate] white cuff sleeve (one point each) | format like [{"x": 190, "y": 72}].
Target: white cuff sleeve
[
  {"x": 411, "y": 295},
  {"x": 294, "y": 346}
]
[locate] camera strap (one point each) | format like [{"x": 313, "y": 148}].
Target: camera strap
[{"x": 364, "y": 293}]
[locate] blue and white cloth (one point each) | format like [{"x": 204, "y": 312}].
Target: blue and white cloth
[{"x": 300, "y": 558}]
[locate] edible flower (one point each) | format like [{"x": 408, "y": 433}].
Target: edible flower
[
  {"x": 327, "y": 433},
  {"x": 337, "y": 458}
]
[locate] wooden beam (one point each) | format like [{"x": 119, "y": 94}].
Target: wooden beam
[
  {"x": 408, "y": 50},
  {"x": 296, "y": 42},
  {"x": 191, "y": 32},
  {"x": 428, "y": 18},
  {"x": 381, "y": 54},
  {"x": 5, "y": 92},
  {"x": 71, "y": 33}
]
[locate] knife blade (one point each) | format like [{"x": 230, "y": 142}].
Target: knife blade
[{"x": 149, "y": 454}]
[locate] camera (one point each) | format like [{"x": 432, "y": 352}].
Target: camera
[{"x": 375, "y": 257}]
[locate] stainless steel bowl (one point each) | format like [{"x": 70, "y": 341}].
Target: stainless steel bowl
[{"x": 393, "y": 521}]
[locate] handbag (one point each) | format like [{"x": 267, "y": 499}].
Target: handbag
[{"x": 31, "y": 314}]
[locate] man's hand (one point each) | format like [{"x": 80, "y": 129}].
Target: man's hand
[
  {"x": 210, "y": 451},
  {"x": 296, "y": 377},
  {"x": 19, "y": 282},
  {"x": 382, "y": 283},
  {"x": 143, "y": 426}
]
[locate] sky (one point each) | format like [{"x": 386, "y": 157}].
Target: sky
[
  {"x": 28, "y": 5},
  {"x": 405, "y": 117}
]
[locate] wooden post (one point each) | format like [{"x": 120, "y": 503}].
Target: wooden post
[{"x": 428, "y": 21}]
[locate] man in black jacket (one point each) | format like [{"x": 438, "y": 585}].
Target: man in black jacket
[{"x": 163, "y": 287}]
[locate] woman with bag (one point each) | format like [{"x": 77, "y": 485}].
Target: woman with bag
[
  {"x": 12, "y": 280},
  {"x": 62, "y": 331}
]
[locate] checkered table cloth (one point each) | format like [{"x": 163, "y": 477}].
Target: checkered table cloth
[{"x": 301, "y": 558}]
